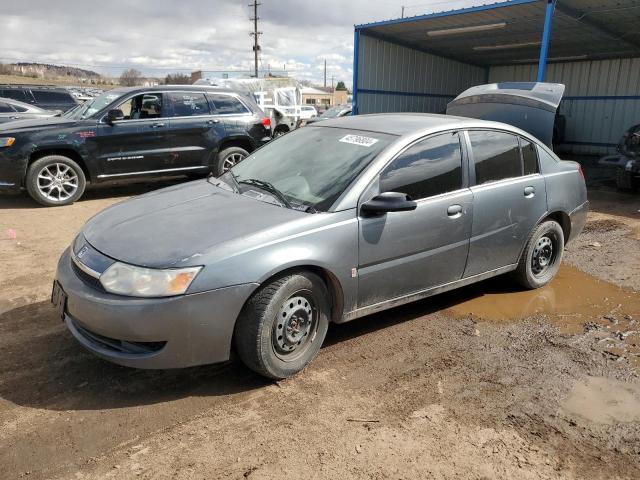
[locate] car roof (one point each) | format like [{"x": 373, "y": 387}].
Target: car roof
[
  {"x": 402, "y": 124},
  {"x": 165, "y": 88}
]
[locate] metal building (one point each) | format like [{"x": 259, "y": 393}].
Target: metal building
[{"x": 421, "y": 63}]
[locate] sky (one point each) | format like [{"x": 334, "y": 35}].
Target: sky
[{"x": 168, "y": 36}]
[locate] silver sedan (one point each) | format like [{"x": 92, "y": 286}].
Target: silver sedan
[{"x": 327, "y": 224}]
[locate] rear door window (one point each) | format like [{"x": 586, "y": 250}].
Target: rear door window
[
  {"x": 430, "y": 167},
  {"x": 496, "y": 155},
  {"x": 227, "y": 105},
  {"x": 186, "y": 104},
  {"x": 529, "y": 157}
]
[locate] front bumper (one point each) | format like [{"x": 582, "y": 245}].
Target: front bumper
[
  {"x": 13, "y": 166},
  {"x": 171, "y": 332},
  {"x": 578, "y": 219}
]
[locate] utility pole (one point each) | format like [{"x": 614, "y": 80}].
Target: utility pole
[
  {"x": 325, "y": 74},
  {"x": 255, "y": 34},
  {"x": 402, "y": 16}
]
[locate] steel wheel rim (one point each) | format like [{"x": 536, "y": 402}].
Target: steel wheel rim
[
  {"x": 295, "y": 327},
  {"x": 57, "y": 182},
  {"x": 231, "y": 160},
  {"x": 544, "y": 255}
]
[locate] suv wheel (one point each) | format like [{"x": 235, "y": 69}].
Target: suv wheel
[
  {"x": 55, "y": 180},
  {"x": 283, "y": 325},
  {"x": 229, "y": 157},
  {"x": 542, "y": 255}
]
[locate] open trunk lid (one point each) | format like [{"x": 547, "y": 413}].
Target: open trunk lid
[{"x": 530, "y": 106}]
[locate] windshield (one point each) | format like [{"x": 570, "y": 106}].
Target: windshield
[
  {"x": 94, "y": 105},
  {"x": 310, "y": 167},
  {"x": 333, "y": 112}
]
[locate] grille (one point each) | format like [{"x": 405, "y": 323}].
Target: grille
[
  {"x": 120, "y": 346},
  {"x": 86, "y": 278}
]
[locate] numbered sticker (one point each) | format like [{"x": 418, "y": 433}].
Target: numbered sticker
[{"x": 359, "y": 140}]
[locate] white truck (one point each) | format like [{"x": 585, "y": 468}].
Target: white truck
[{"x": 279, "y": 97}]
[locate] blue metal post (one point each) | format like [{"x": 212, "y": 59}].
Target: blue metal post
[
  {"x": 356, "y": 54},
  {"x": 546, "y": 40}
]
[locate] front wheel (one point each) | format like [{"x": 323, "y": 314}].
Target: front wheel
[
  {"x": 55, "y": 180},
  {"x": 283, "y": 325},
  {"x": 542, "y": 255}
]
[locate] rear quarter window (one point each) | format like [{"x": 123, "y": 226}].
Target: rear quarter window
[
  {"x": 51, "y": 96},
  {"x": 14, "y": 94},
  {"x": 227, "y": 105},
  {"x": 529, "y": 157}
]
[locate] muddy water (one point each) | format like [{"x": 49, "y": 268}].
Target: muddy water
[
  {"x": 574, "y": 301},
  {"x": 604, "y": 400}
]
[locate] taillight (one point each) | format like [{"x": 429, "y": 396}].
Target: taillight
[
  {"x": 266, "y": 122},
  {"x": 580, "y": 170}
]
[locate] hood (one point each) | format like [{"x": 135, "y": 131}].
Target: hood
[
  {"x": 178, "y": 225},
  {"x": 43, "y": 122},
  {"x": 530, "y": 106}
]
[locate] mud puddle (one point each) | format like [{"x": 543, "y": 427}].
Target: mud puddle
[
  {"x": 574, "y": 301},
  {"x": 604, "y": 400}
]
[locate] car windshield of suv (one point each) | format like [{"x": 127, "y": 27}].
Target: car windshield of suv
[
  {"x": 95, "y": 104},
  {"x": 309, "y": 168}
]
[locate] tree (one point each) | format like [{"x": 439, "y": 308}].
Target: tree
[
  {"x": 130, "y": 77},
  {"x": 177, "y": 79},
  {"x": 341, "y": 86}
]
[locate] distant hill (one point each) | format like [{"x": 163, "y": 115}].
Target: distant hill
[{"x": 45, "y": 70}]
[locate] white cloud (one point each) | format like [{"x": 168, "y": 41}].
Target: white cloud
[{"x": 165, "y": 36}]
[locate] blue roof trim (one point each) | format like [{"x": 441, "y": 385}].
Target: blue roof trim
[
  {"x": 479, "y": 8},
  {"x": 405, "y": 94}
]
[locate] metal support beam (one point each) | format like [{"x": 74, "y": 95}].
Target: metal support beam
[
  {"x": 546, "y": 40},
  {"x": 356, "y": 55},
  {"x": 581, "y": 16}
]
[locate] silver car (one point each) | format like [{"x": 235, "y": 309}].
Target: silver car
[
  {"x": 327, "y": 224},
  {"x": 11, "y": 110}
]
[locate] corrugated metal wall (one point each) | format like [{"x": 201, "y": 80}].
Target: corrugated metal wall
[
  {"x": 601, "y": 101},
  {"x": 395, "y": 78}
]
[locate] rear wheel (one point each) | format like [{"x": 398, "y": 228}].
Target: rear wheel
[
  {"x": 542, "y": 255},
  {"x": 283, "y": 325},
  {"x": 55, "y": 180},
  {"x": 229, "y": 157}
]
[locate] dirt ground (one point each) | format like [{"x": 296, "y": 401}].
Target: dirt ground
[{"x": 485, "y": 382}]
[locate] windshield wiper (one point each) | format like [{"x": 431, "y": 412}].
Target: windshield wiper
[{"x": 267, "y": 187}]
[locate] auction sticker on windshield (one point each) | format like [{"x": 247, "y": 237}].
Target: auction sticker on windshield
[{"x": 359, "y": 140}]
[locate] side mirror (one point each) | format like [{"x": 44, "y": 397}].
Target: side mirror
[
  {"x": 114, "y": 115},
  {"x": 388, "y": 202}
]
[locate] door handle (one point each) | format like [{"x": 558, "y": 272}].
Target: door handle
[
  {"x": 157, "y": 125},
  {"x": 529, "y": 192},
  {"x": 215, "y": 120},
  {"x": 454, "y": 211}
]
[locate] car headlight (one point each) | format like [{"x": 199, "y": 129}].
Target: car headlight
[
  {"x": 7, "y": 141},
  {"x": 132, "y": 281}
]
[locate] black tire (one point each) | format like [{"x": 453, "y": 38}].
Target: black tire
[
  {"x": 36, "y": 181},
  {"x": 273, "y": 310},
  {"x": 280, "y": 131},
  {"x": 229, "y": 156},
  {"x": 542, "y": 256}
]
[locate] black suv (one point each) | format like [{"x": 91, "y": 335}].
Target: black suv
[
  {"x": 47, "y": 98},
  {"x": 130, "y": 132}
]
